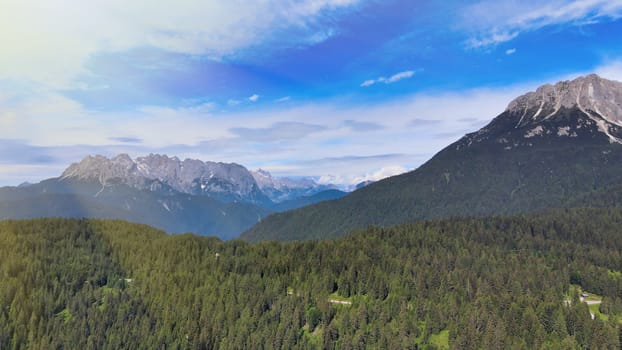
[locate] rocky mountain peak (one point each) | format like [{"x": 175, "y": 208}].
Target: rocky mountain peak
[
  {"x": 156, "y": 172},
  {"x": 588, "y": 108},
  {"x": 100, "y": 168},
  {"x": 161, "y": 173},
  {"x": 595, "y": 96}
]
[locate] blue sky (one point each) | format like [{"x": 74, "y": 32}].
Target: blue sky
[{"x": 342, "y": 90}]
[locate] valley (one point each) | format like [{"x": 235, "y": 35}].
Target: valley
[{"x": 311, "y": 175}]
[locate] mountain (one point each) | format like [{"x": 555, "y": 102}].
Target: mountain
[
  {"x": 171, "y": 211},
  {"x": 285, "y": 189},
  {"x": 177, "y": 196},
  {"x": 558, "y": 146},
  {"x": 159, "y": 173},
  {"x": 363, "y": 184}
]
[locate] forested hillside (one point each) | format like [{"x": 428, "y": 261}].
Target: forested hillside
[
  {"x": 551, "y": 148},
  {"x": 497, "y": 283},
  {"x": 482, "y": 180}
]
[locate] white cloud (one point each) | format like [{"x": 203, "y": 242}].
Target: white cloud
[
  {"x": 350, "y": 181},
  {"x": 49, "y": 42},
  {"x": 510, "y": 51},
  {"x": 254, "y": 98},
  {"x": 53, "y": 122},
  {"x": 383, "y": 173},
  {"x": 280, "y": 139},
  {"x": 390, "y": 80},
  {"x": 283, "y": 99},
  {"x": 491, "y": 22},
  {"x": 611, "y": 70},
  {"x": 399, "y": 76},
  {"x": 368, "y": 82},
  {"x": 491, "y": 40},
  {"x": 233, "y": 102}
]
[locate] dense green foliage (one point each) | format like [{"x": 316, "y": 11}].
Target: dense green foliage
[
  {"x": 465, "y": 283},
  {"x": 496, "y": 171}
]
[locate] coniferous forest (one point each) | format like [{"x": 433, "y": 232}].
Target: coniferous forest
[{"x": 492, "y": 283}]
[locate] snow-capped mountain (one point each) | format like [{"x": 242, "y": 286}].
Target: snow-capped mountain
[
  {"x": 224, "y": 181},
  {"x": 283, "y": 189}
]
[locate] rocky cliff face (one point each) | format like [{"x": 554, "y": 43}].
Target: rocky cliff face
[
  {"x": 229, "y": 182},
  {"x": 224, "y": 181},
  {"x": 594, "y": 96},
  {"x": 586, "y": 108},
  {"x": 177, "y": 196}
]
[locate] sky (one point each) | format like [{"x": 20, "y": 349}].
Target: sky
[{"x": 340, "y": 90}]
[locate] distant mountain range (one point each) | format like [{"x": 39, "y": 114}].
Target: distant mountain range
[
  {"x": 559, "y": 146},
  {"x": 279, "y": 190},
  {"x": 178, "y": 196}
]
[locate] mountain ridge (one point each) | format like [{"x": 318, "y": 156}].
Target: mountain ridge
[
  {"x": 224, "y": 181},
  {"x": 177, "y": 196},
  {"x": 504, "y": 168},
  {"x": 228, "y": 182}
]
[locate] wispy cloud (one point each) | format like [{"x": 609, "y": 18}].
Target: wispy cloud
[
  {"x": 390, "y": 80},
  {"x": 492, "y": 22},
  {"x": 253, "y": 98},
  {"x": 362, "y": 126},
  {"x": 55, "y": 131},
  {"x": 211, "y": 29},
  {"x": 126, "y": 139},
  {"x": 611, "y": 70},
  {"x": 510, "y": 51},
  {"x": 19, "y": 151},
  {"x": 283, "y": 99},
  {"x": 279, "y": 139},
  {"x": 277, "y": 132},
  {"x": 419, "y": 122},
  {"x": 399, "y": 76},
  {"x": 491, "y": 39}
]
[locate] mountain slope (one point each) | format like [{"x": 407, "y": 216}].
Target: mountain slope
[
  {"x": 101, "y": 284},
  {"x": 548, "y": 148},
  {"x": 174, "y": 213}
]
